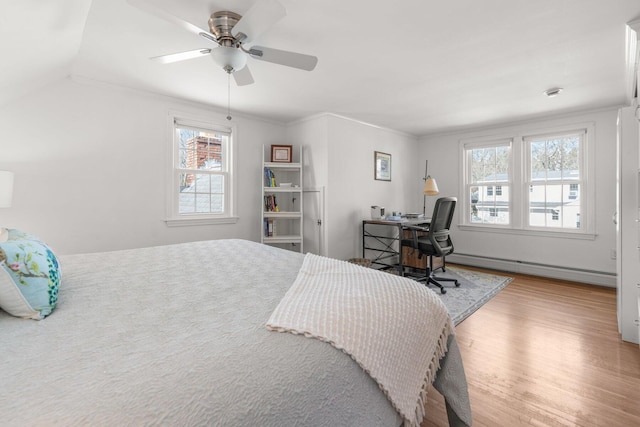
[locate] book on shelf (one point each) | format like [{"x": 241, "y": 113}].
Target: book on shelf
[
  {"x": 269, "y": 178},
  {"x": 270, "y": 204},
  {"x": 269, "y": 228}
]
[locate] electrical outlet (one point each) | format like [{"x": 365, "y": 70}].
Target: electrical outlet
[{"x": 613, "y": 254}]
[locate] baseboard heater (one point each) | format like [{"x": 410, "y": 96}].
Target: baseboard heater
[{"x": 592, "y": 277}]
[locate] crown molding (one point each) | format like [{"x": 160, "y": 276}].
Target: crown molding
[{"x": 352, "y": 120}]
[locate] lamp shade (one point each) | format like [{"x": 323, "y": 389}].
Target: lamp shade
[
  {"x": 431, "y": 187},
  {"x": 6, "y": 189}
]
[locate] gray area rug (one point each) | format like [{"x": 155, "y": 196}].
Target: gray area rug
[{"x": 475, "y": 290}]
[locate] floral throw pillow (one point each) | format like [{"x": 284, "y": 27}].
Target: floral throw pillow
[{"x": 29, "y": 276}]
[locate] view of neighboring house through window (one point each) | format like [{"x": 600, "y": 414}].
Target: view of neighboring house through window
[
  {"x": 554, "y": 175},
  {"x": 535, "y": 182},
  {"x": 488, "y": 186},
  {"x": 201, "y": 169}
]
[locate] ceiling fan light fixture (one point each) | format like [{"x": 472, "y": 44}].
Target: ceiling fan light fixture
[
  {"x": 554, "y": 91},
  {"x": 229, "y": 31},
  {"x": 228, "y": 58}
]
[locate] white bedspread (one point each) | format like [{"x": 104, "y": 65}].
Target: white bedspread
[
  {"x": 394, "y": 327},
  {"x": 174, "y": 335}
]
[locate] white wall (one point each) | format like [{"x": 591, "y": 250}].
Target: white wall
[
  {"x": 89, "y": 162},
  {"x": 311, "y": 134},
  {"x": 574, "y": 254},
  {"x": 342, "y": 154}
]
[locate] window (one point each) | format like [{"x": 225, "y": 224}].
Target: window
[
  {"x": 529, "y": 182},
  {"x": 487, "y": 166},
  {"x": 554, "y": 171},
  {"x": 201, "y": 166}
]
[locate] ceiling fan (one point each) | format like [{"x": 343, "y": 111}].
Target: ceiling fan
[{"x": 229, "y": 32}]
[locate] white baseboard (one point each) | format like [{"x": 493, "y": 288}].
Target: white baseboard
[{"x": 582, "y": 276}]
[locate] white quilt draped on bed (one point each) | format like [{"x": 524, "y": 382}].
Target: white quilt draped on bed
[{"x": 395, "y": 328}]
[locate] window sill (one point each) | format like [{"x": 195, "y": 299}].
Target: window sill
[
  {"x": 185, "y": 222},
  {"x": 537, "y": 233}
]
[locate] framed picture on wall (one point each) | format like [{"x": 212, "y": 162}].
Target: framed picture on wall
[
  {"x": 281, "y": 153},
  {"x": 382, "y": 166}
]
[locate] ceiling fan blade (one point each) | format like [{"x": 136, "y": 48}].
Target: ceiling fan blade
[
  {"x": 283, "y": 57},
  {"x": 181, "y": 56},
  {"x": 243, "y": 76},
  {"x": 149, "y": 7},
  {"x": 259, "y": 18}
]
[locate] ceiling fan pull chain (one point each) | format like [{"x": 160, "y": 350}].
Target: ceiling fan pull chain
[{"x": 228, "y": 96}]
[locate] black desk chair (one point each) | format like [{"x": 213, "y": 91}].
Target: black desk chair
[{"x": 437, "y": 241}]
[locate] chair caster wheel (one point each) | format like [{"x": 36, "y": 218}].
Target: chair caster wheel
[
  {"x": 457, "y": 283},
  {"x": 443, "y": 291}
]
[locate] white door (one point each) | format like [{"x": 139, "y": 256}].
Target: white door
[
  {"x": 627, "y": 254},
  {"x": 313, "y": 221}
]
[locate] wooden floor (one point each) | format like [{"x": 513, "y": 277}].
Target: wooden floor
[{"x": 547, "y": 353}]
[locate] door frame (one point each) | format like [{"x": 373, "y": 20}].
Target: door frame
[{"x": 321, "y": 211}]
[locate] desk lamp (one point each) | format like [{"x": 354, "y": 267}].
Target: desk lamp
[
  {"x": 430, "y": 188},
  {"x": 6, "y": 195}
]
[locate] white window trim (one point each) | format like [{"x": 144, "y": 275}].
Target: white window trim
[
  {"x": 583, "y": 181},
  {"x": 517, "y": 178},
  {"x": 463, "y": 202},
  {"x": 173, "y": 219}
]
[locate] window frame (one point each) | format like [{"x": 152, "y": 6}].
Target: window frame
[
  {"x": 519, "y": 197},
  {"x": 464, "y": 207},
  {"x": 580, "y": 181},
  {"x": 229, "y": 215}
]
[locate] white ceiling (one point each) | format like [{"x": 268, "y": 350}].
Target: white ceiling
[{"x": 415, "y": 66}]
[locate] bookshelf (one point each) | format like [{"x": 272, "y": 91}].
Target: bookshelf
[{"x": 282, "y": 211}]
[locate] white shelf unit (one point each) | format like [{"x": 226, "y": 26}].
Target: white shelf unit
[{"x": 282, "y": 228}]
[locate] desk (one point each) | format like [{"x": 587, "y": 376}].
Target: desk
[{"x": 384, "y": 248}]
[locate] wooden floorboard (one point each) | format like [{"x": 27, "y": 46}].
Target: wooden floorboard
[{"x": 546, "y": 352}]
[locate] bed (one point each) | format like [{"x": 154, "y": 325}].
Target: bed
[{"x": 175, "y": 335}]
